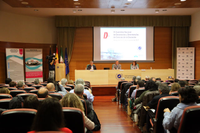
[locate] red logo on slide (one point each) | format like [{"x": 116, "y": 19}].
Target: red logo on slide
[
  {"x": 105, "y": 35},
  {"x": 20, "y": 51}
]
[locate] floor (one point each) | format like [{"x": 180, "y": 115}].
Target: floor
[{"x": 112, "y": 117}]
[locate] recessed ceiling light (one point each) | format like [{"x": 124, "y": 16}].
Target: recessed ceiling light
[
  {"x": 36, "y": 10},
  {"x": 77, "y": 3},
  {"x": 125, "y": 6},
  {"x": 75, "y": 0},
  {"x": 74, "y": 11},
  {"x": 183, "y": 0},
  {"x": 79, "y": 10},
  {"x": 177, "y": 4},
  {"x": 127, "y": 3},
  {"x": 122, "y": 10},
  {"x": 24, "y": 3},
  {"x": 156, "y": 11},
  {"x": 112, "y": 11},
  {"x": 164, "y": 10},
  {"x": 129, "y": 0}
]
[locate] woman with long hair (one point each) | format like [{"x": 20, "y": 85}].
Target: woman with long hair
[{"x": 134, "y": 65}]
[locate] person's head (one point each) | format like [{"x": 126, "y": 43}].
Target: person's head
[
  {"x": 187, "y": 95},
  {"x": 50, "y": 87},
  {"x": 122, "y": 79},
  {"x": 80, "y": 81},
  {"x": 12, "y": 84},
  {"x": 163, "y": 88},
  {"x": 36, "y": 81},
  {"x": 153, "y": 78},
  {"x": 49, "y": 116},
  {"x": 63, "y": 82},
  {"x": 158, "y": 83},
  {"x": 50, "y": 80},
  {"x": 176, "y": 80},
  {"x": 20, "y": 84},
  {"x": 42, "y": 92},
  {"x": 31, "y": 102},
  {"x": 151, "y": 85},
  {"x": 71, "y": 82},
  {"x": 78, "y": 90},
  {"x": 158, "y": 79},
  {"x": 117, "y": 62},
  {"x": 4, "y": 90},
  {"x": 8, "y": 80},
  {"x": 138, "y": 78},
  {"x": 175, "y": 87},
  {"x": 147, "y": 78},
  {"x": 72, "y": 100},
  {"x": 16, "y": 102},
  {"x": 197, "y": 89},
  {"x": 134, "y": 78},
  {"x": 134, "y": 63},
  {"x": 91, "y": 63},
  {"x": 140, "y": 83},
  {"x": 182, "y": 83}
]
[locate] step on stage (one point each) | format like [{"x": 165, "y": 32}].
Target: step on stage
[{"x": 103, "y": 90}]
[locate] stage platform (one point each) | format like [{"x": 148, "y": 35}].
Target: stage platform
[{"x": 103, "y": 90}]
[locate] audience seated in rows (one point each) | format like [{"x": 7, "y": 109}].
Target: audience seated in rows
[
  {"x": 16, "y": 102},
  {"x": 88, "y": 92},
  {"x": 140, "y": 85},
  {"x": 4, "y": 90},
  {"x": 187, "y": 97},
  {"x": 20, "y": 85},
  {"x": 197, "y": 89},
  {"x": 174, "y": 88},
  {"x": 43, "y": 92},
  {"x": 12, "y": 84},
  {"x": 49, "y": 117},
  {"x": 72, "y": 100},
  {"x": 31, "y": 102}
]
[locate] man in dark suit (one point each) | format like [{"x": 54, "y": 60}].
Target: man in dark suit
[{"x": 91, "y": 66}]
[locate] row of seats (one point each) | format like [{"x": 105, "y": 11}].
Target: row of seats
[{"x": 20, "y": 120}]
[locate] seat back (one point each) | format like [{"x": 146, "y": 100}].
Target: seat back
[
  {"x": 5, "y": 96},
  {"x": 72, "y": 86},
  {"x": 164, "y": 102},
  {"x": 12, "y": 88},
  {"x": 17, "y": 120},
  {"x": 37, "y": 86},
  {"x": 28, "y": 89},
  {"x": 56, "y": 95},
  {"x": 74, "y": 119},
  {"x": 84, "y": 105},
  {"x": 25, "y": 95},
  {"x": 190, "y": 120},
  {"x": 198, "y": 101},
  {"x": 119, "y": 84},
  {"x": 33, "y": 91},
  {"x": 67, "y": 88},
  {"x": 131, "y": 89},
  {"x": 4, "y": 103},
  {"x": 122, "y": 85},
  {"x": 43, "y": 84},
  {"x": 87, "y": 83},
  {"x": 15, "y": 92},
  {"x": 85, "y": 87},
  {"x": 175, "y": 93},
  {"x": 139, "y": 92},
  {"x": 29, "y": 84}
]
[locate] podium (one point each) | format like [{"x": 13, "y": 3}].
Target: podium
[{"x": 60, "y": 71}]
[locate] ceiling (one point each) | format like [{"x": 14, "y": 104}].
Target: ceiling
[{"x": 49, "y": 8}]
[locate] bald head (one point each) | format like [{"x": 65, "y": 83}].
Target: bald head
[
  {"x": 42, "y": 92},
  {"x": 50, "y": 87}
]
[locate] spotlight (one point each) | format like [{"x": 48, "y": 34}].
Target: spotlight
[{"x": 156, "y": 11}]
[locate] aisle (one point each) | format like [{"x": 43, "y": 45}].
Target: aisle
[{"x": 112, "y": 117}]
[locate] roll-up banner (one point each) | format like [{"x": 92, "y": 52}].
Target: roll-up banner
[
  {"x": 33, "y": 64},
  {"x": 15, "y": 65}
]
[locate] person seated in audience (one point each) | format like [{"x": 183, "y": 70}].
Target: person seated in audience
[
  {"x": 71, "y": 82},
  {"x": 116, "y": 65},
  {"x": 72, "y": 100},
  {"x": 134, "y": 80},
  {"x": 187, "y": 97},
  {"x": 12, "y": 84},
  {"x": 197, "y": 89},
  {"x": 4, "y": 90},
  {"x": 78, "y": 90},
  {"x": 7, "y": 81},
  {"x": 63, "y": 82},
  {"x": 49, "y": 117},
  {"x": 147, "y": 78},
  {"x": 150, "y": 86},
  {"x": 158, "y": 79},
  {"x": 134, "y": 65},
  {"x": 140, "y": 85},
  {"x": 57, "y": 86},
  {"x": 43, "y": 92},
  {"x": 176, "y": 80},
  {"x": 16, "y": 102},
  {"x": 88, "y": 92},
  {"x": 182, "y": 83},
  {"x": 37, "y": 82},
  {"x": 91, "y": 66},
  {"x": 174, "y": 88},
  {"x": 153, "y": 78},
  {"x": 51, "y": 89},
  {"x": 31, "y": 102},
  {"x": 20, "y": 85},
  {"x": 164, "y": 91}
]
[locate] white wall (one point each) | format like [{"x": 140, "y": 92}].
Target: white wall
[
  {"x": 195, "y": 27},
  {"x": 27, "y": 29}
]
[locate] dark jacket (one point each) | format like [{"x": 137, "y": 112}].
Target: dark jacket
[{"x": 89, "y": 67}]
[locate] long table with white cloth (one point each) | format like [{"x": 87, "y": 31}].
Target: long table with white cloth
[{"x": 109, "y": 77}]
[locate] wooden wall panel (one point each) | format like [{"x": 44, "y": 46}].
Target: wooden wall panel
[
  {"x": 196, "y": 44},
  {"x": 83, "y": 51},
  {"x": 4, "y": 45}
]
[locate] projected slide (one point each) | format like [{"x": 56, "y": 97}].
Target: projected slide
[{"x": 123, "y": 43}]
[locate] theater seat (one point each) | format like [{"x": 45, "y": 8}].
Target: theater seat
[
  {"x": 29, "y": 84},
  {"x": 67, "y": 88},
  {"x": 12, "y": 88},
  {"x": 74, "y": 119},
  {"x": 139, "y": 92},
  {"x": 190, "y": 121},
  {"x": 28, "y": 89},
  {"x": 37, "y": 86},
  {"x": 4, "y": 96},
  {"x": 131, "y": 89},
  {"x": 72, "y": 86},
  {"x": 33, "y": 91},
  {"x": 56, "y": 95},
  {"x": 15, "y": 92},
  {"x": 87, "y": 83},
  {"x": 43, "y": 84},
  {"x": 198, "y": 101},
  {"x": 4, "y": 103},
  {"x": 25, "y": 95},
  {"x": 175, "y": 93},
  {"x": 84, "y": 105},
  {"x": 164, "y": 102},
  {"x": 17, "y": 120}
]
